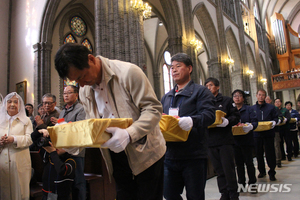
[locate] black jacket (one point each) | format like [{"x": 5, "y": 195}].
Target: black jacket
[
  {"x": 223, "y": 135},
  {"x": 59, "y": 171},
  {"x": 265, "y": 112},
  {"x": 197, "y": 102},
  {"x": 247, "y": 115}
]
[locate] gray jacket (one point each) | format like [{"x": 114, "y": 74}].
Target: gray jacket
[{"x": 73, "y": 114}]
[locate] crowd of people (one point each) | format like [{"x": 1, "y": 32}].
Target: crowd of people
[{"x": 143, "y": 165}]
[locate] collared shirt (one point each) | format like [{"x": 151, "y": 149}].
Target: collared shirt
[{"x": 101, "y": 97}]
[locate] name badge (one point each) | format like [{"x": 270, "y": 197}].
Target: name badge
[{"x": 173, "y": 111}]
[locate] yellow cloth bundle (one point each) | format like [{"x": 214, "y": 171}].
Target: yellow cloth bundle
[
  {"x": 85, "y": 133},
  {"x": 171, "y": 130},
  {"x": 293, "y": 120},
  {"x": 238, "y": 130},
  {"x": 263, "y": 126},
  {"x": 219, "y": 115}
]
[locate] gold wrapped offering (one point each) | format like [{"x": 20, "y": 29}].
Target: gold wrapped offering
[
  {"x": 171, "y": 130},
  {"x": 219, "y": 115},
  {"x": 282, "y": 123},
  {"x": 85, "y": 133},
  {"x": 238, "y": 130},
  {"x": 263, "y": 126},
  {"x": 293, "y": 120}
]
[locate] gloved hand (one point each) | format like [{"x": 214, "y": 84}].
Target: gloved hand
[
  {"x": 279, "y": 121},
  {"x": 185, "y": 123},
  {"x": 225, "y": 122},
  {"x": 119, "y": 140},
  {"x": 274, "y": 123},
  {"x": 247, "y": 128},
  {"x": 285, "y": 120},
  {"x": 296, "y": 119}
]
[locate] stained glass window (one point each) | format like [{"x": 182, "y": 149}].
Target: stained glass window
[
  {"x": 68, "y": 82},
  {"x": 87, "y": 43},
  {"x": 78, "y": 26},
  {"x": 69, "y": 39}
]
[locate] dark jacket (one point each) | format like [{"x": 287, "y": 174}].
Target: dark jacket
[
  {"x": 247, "y": 115},
  {"x": 285, "y": 113},
  {"x": 223, "y": 135},
  {"x": 265, "y": 112},
  {"x": 294, "y": 114},
  {"x": 47, "y": 120},
  {"x": 197, "y": 102},
  {"x": 59, "y": 171}
]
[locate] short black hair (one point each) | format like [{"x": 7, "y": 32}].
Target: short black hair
[
  {"x": 40, "y": 105},
  {"x": 182, "y": 57},
  {"x": 213, "y": 80},
  {"x": 71, "y": 54},
  {"x": 29, "y": 104},
  {"x": 239, "y": 91},
  {"x": 75, "y": 89},
  {"x": 279, "y": 99},
  {"x": 288, "y": 102}
]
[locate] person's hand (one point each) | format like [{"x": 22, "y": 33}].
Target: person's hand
[
  {"x": 44, "y": 132},
  {"x": 284, "y": 120},
  {"x": 279, "y": 121},
  {"x": 6, "y": 140},
  {"x": 185, "y": 123},
  {"x": 274, "y": 123},
  {"x": 119, "y": 140},
  {"x": 50, "y": 148},
  {"x": 247, "y": 128},
  {"x": 225, "y": 122},
  {"x": 53, "y": 120},
  {"x": 296, "y": 119},
  {"x": 38, "y": 120}
]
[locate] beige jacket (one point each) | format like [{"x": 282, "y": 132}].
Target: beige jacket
[
  {"x": 130, "y": 95},
  {"x": 15, "y": 162}
]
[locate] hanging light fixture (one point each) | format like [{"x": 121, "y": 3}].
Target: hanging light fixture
[
  {"x": 263, "y": 80},
  {"x": 196, "y": 43},
  {"x": 140, "y": 6},
  {"x": 229, "y": 61},
  {"x": 250, "y": 73}
]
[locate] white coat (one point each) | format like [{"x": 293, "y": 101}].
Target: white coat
[{"x": 15, "y": 162}]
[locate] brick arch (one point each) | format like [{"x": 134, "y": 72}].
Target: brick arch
[
  {"x": 237, "y": 71},
  {"x": 211, "y": 36},
  {"x": 251, "y": 66},
  {"x": 174, "y": 25}
]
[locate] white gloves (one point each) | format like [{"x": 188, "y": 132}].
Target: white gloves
[
  {"x": 185, "y": 123},
  {"x": 225, "y": 122},
  {"x": 274, "y": 123},
  {"x": 119, "y": 140},
  {"x": 279, "y": 121},
  {"x": 296, "y": 119},
  {"x": 284, "y": 121},
  {"x": 247, "y": 128}
]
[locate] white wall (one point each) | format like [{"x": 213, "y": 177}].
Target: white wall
[
  {"x": 25, "y": 29},
  {"x": 4, "y": 14}
]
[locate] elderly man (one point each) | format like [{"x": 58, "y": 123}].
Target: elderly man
[
  {"x": 49, "y": 103},
  {"x": 71, "y": 112},
  {"x": 117, "y": 89}
]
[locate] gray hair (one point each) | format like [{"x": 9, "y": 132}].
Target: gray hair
[{"x": 49, "y": 95}]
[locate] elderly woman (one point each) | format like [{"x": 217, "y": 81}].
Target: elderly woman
[{"x": 15, "y": 163}]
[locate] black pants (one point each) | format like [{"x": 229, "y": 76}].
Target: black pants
[
  {"x": 222, "y": 158},
  {"x": 244, "y": 156},
  {"x": 147, "y": 185},
  {"x": 295, "y": 142},
  {"x": 285, "y": 136},
  {"x": 266, "y": 145}
]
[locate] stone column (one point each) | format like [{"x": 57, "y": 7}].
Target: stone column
[
  {"x": 157, "y": 84},
  {"x": 119, "y": 31},
  {"x": 37, "y": 75}
]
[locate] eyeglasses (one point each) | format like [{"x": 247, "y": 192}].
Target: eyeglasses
[
  {"x": 48, "y": 103},
  {"x": 68, "y": 93},
  {"x": 237, "y": 96}
]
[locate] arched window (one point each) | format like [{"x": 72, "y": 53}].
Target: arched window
[
  {"x": 69, "y": 39},
  {"x": 87, "y": 43},
  {"x": 255, "y": 11},
  {"x": 166, "y": 76}
]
